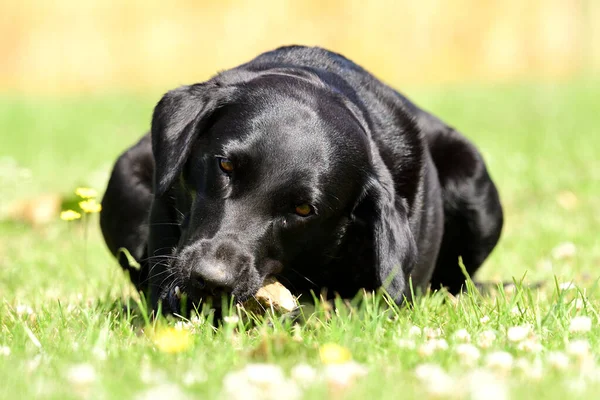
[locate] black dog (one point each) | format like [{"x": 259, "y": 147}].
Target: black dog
[{"x": 302, "y": 165}]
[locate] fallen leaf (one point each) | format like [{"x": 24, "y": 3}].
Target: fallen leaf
[
  {"x": 272, "y": 295},
  {"x": 37, "y": 211}
]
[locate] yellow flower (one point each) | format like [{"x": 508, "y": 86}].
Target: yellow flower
[
  {"x": 69, "y": 215},
  {"x": 172, "y": 340},
  {"x": 332, "y": 353},
  {"x": 86, "y": 193},
  {"x": 90, "y": 206}
]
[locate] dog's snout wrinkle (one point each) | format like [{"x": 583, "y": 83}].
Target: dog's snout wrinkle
[{"x": 225, "y": 251}]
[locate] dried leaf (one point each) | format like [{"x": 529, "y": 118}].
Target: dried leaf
[
  {"x": 273, "y": 295},
  {"x": 37, "y": 211}
]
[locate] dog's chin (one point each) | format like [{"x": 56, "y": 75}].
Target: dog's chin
[
  {"x": 176, "y": 301},
  {"x": 172, "y": 300}
]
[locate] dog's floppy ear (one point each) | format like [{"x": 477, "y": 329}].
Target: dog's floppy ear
[
  {"x": 393, "y": 245},
  {"x": 177, "y": 120}
]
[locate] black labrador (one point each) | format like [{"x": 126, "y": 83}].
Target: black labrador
[{"x": 302, "y": 165}]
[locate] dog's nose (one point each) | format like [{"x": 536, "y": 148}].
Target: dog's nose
[{"x": 211, "y": 278}]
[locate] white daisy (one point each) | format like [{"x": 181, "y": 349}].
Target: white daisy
[{"x": 580, "y": 324}]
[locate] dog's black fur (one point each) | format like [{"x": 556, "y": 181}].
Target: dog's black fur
[{"x": 394, "y": 192}]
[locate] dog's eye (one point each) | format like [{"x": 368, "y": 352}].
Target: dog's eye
[
  {"x": 226, "y": 165},
  {"x": 304, "y": 210}
]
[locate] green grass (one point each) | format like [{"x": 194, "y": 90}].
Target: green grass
[{"x": 539, "y": 140}]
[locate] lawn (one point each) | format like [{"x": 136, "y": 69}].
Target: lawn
[{"x": 63, "y": 333}]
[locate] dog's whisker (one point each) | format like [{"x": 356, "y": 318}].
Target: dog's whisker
[
  {"x": 281, "y": 277},
  {"x": 161, "y": 273},
  {"x": 169, "y": 272},
  {"x": 160, "y": 249},
  {"x": 258, "y": 302},
  {"x": 158, "y": 264},
  {"x": 161, "y": 223},
  {"x": 303, "y": 276},
  {"x": 167, "y": 277},
  {"x": 165, "y": 256},
  {"x": 180, "y": 213}
]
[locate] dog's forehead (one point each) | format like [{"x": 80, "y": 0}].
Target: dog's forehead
[
  {"x": 293, "y": 130},
  {"x": 282, "y": 134}
]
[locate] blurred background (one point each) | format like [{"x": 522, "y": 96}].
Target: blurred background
[
  {"x": 78, "y": 83},
  {"x": 79, "y": 80},
  {"x": 72, "y": 46}
]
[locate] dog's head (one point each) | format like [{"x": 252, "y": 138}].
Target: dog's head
[{"x": 275, "y": 169}]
